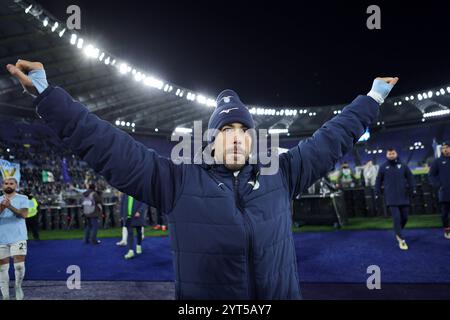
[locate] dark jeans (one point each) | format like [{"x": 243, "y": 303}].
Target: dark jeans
[
  {"x": 445, "y": 209},
  {"x": 130, "y": 239},
  {"x": 33, "y": 226},
  {"x": 91, "y": 230},
  {"x": 400, "y": 217}
]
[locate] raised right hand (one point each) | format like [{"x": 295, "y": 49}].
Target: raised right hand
[{"x": 21, "y": 71}]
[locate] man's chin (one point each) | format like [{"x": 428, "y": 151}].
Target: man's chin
[{"x": 234, "y": 166}]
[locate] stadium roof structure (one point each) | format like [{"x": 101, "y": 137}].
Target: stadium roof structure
[{"x": 138, "y": 102}]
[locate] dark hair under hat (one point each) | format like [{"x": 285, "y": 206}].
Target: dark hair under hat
[{"x": 229, "y": 109}]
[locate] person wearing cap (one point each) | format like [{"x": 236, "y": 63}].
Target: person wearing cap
[
  {"x": 398, "y": 182},
  {"x": 230, "y": 226},
  {"x": 439, "y": 176}
]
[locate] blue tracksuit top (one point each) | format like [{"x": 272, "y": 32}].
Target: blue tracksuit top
[
  {"x": 439, "y": 176},
  {"x": 228, "y": 240},
  {"x": 397, "y": 180}
]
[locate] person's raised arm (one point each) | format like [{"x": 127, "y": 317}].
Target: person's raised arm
[
  {"x": 316, "y": 156},
  {"x": 125, "y": 163}
]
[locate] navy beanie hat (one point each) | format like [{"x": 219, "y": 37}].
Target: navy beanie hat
[{"x": 229, "y": 109}]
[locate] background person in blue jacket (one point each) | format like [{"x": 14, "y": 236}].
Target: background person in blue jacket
[
  {"x": 133, "y": 213},
  {"x": 440, "y": 178},
  {"x": 230, "y": 226},
  {"x": 398, "y": 182}
]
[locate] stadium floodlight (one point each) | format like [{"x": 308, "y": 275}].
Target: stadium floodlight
[
  {"x": 55, "y": 26},
  {"x": 423, "y": 119},
  {"x": 138, "y": 77},
  {"x": 123, "y": 68},
  {"x": 399, "y": 103},
  {"x": 73, "y": 39},
  {"x": 128, "y": 124},
  {"x": 201, "y": 99},
  {"x": 411, "y": 148},
  {"x": 61, "y": 33},
  {"x": 407, "y": 99},
  {"x": 183, "y": 130},
  {"x": 117, "y": 123},
  {"x": 430, "y": 94},
  {"x": 419, "y": 96},
  {"x": 28, "y": 8},
  {"x": 80, "y": 43},
  {"x": 107, "y": 60},
  {"x": 278, "y": 131},
  {"x": 448, "y": 89},
  {"x": 425, "y": 95},
  {"x": 395, "y": 104},
  {"x": 91, "y": 51},
  {"x": 411, "y": 98},
  {"x": 177, "y": 93},
  {"x": 113, "y": 62},
  {"x": 122, "y": 123},
  {"x": 380, "y": 151},
  {"x": 438, "y": 93},
  {"x": 101, "y": 56},
  {"x": 442, "y": 91},
  {"x": 133, "y": 124},
  {"x": 45, "y": 22},
  {"x": 153, "y": 82},
  {"x": 436, "y": 113},
  {"x": 7, "y": 150},
  {"x": 369, "y": 152},
  {"x": 156, "y": 130}
]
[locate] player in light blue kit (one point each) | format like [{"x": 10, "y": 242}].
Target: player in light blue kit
[{"x": 13, "y": 236}]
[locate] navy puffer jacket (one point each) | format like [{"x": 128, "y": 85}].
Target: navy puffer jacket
[{"x": 231, "y": 236}]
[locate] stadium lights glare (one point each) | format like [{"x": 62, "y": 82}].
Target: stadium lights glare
[
  {"x": 278, "y": 131},
  {"x": 45, "y": 22},
  {"x": 117, "y": 123},
  {"x": 73, "y": 39},
  {"x": 133, "y": 124},
  {"x": 28, "y": 8},
  {"x": 113, "y": 62},
  {"x": 80, "y": 43},
  {"x": 419, "y": 96},
  {"x": 448, "y": 89},
  {"x": 122, "y": 123},
  {"x": 55, "y": 26},
  {"x": 107, "y": 60},
  {"x": 101, "y": 56},
  {"x": 436, "y": 113},
  {"x": 123, "y": 68},
  {"x": 442, "y": 91},
  {"x": 183, "y": 130},
  {"x": 138, "y": 77},
  {"x": 91, "y": 51},
  {"x": 156, "y": 130},
  {"x": 61, "y": 33},
  {"x": 128, "y": 124},
  {"x": 153, "y": 82}
]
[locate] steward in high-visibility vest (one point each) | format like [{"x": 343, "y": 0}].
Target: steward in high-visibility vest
[{"x": 33, "y": 218}]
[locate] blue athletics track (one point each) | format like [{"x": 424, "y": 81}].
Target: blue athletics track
[{"x": 332, "y": 265}]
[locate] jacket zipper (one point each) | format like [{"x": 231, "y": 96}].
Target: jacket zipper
[{"x": 248, "y": 234}]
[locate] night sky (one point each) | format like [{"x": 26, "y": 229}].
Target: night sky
[{"x": 275, "y": 53}]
